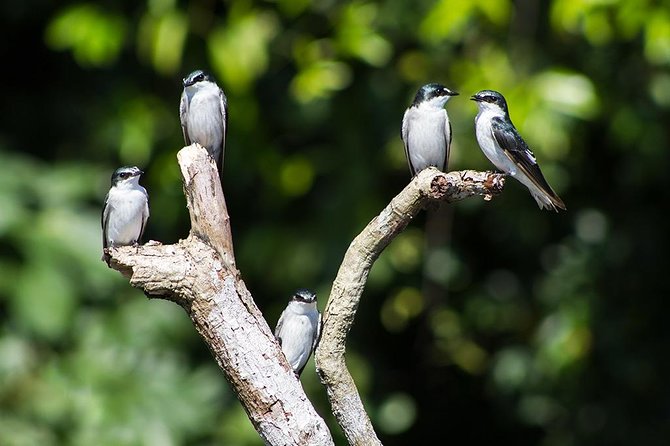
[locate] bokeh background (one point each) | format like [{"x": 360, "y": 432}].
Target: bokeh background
[{"x": 500, "y": 323}]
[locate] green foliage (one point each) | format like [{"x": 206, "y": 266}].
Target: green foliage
[
  {"x": 94, "y": 36},
  {"x": 515, "y": 326}
]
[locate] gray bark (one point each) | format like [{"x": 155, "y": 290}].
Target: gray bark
[
  {"x": 428, "y": 186},
  {"x": 199, "y": 273}
]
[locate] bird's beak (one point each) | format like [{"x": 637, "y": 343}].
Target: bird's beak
[
  {"x": 453, "y": 93},
  {"x": 474, "y": 97}
]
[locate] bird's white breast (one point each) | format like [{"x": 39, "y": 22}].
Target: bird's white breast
[
  {"x": 297, "y": 332},
  {"x": 488, "y": 144},
  {"x": 204, "y": 121},
  {"x": 126, "y": 215},
  {"x": 427, "y": 136}
]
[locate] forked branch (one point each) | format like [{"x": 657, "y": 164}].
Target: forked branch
[{"x": 199, "y": 274}]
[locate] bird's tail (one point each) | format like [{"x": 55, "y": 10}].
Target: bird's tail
[{"x": 548, "y": 201}]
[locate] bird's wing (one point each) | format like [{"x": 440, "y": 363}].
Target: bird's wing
[
  {"x": 448, "y": 134},
  {"x": 104, "y": 220},
  {"x": 317, "y": 334},
  {"x": 404, "y": 135},
  {"x": 183, "y": 112},
  {"x": 145, "y": 216},
  {"x": 516, "y": 149},
  {"x": 223, "y": 106},
  {"x": 280, "y": 323}
]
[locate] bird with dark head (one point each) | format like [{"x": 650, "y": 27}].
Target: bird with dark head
[
  {"x": 298, "y": 329},
  {"x": 505, "y": 148},
  {"x": 203, "y": 112},
  {"x": 125, "y": 212},
  {"x": 426, "y": 130}
]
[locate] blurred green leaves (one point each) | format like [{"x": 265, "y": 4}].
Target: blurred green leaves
[
  {"x": 356, "y": 35},
  {"x": 319, "y": 79},
  {"x": 546, "y": 323},
  {"x": 449, "y": 18},
  {"x": 657, "y": 38},
  {"x": 600, "y": 20},
  {"x": 94, "y": 36},
  {"x": 296, "y": 176},
  {"x": 239, "y": 49},
  {"x": 397, "y": 413},
  {"x": 161, "y": 37},
  {"x": 117, "y": 354}
]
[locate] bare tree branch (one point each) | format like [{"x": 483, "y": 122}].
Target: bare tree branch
[
  {"x": 199, "y": 274},
  {"x": 428, "y": 186},
  {"x": 207, "y": 206}
]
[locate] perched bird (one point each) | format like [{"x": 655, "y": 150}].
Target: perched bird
[
  {"x": 203, "y": 112},
  {"x": 298, "y": 329},
  {"x": 426, "y": 130},
  {"x": 126, "y": 210},
  {"x": 504, "y": 147}
]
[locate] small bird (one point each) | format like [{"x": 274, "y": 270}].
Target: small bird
[
  {"x": 203, "y": 111},
  {"x": 126, "y": 210},
  {"x": 426, "y": 130},
  {"x": 504, "y": 147},
  {"x": 298, "y": 329}
]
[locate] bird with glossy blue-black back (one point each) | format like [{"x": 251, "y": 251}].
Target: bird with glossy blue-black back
[{"x": 505, "y": 148}]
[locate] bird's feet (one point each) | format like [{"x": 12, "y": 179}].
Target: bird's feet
[{"x": 106, "y": 257}]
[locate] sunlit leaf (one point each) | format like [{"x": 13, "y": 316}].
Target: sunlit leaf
[
  {"x": 161, "y": 40},
  {"x": 446, "y": 19},
  {"x": 570, "y": 93},
  {"x": 357, "y": 36},
  {"x": 657, "y": 38},
  {"x": 94, "y": 36},
  {"x": 320, "y": 79},
  {"x": 239, "y": 50},
  {"x": 296, "y": 176}
]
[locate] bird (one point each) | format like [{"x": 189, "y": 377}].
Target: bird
[
  {"x": 299, "y": 328},
  {"x": 506, "y": 149},
  {"x": 426, "y": 130},
  {"x": 125, "y": 212},
  {"x": 203, "y": 112}
]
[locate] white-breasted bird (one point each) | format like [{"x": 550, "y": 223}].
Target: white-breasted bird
[
  {"x": 506, "y": 149},
  {"x": 203, "y": 112},
  {"x": 298, "y": 329},
  {"x": 126, "y": 210},
  {"x": 426, "y": 130}
]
